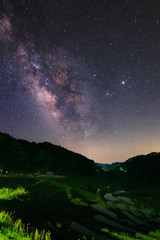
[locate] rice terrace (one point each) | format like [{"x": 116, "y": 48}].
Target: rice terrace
[{"x": 61, "y": 203}]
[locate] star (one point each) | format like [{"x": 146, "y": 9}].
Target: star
[
  {"x": 90, "y": 75},
  {"x": 108, "y": 93}
]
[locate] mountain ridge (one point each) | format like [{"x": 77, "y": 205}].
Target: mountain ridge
[
  {"x": 141, "y": 166},
  {"x": 18, "y": 155}
]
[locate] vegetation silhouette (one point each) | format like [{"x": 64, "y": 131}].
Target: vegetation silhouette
[{"x": 21, "y": 155}]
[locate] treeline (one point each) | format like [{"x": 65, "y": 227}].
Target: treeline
[
  {"x": 21, "y": 155},
  {"x": 140, "y": 167},
  {"x": 143, "y": 166}
]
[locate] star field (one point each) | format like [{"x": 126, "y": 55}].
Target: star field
[{"x": 82, "y": 74}]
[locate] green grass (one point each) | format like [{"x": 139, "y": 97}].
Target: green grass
[
  {"x": 154, "y": 235},
  {"x": 16, "y": 230},
  {"x": 140, "y": 235},
  {"x": 116, "y": 235},
  {"x": 9, "y": 193},
  {"x": 75, "y": 200}
]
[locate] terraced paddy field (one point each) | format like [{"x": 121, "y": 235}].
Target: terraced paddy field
[{"x": 72, "y": 208}]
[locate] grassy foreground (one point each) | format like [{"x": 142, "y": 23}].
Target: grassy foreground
[
  {"x": 16, "y": 230},
  {"x": 28, "y": 205}
]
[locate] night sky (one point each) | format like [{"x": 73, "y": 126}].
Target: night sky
[{"x": 82, "y": 74}]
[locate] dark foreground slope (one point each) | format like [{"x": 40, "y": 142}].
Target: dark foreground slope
[
  {"x": 76, "y": 208},
  {"x": 21, "y": 155}
]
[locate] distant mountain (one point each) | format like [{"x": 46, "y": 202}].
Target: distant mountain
[
  {"x": 21, "y": 155},
  {"x": 142, "y": 166},
  {"x": 108, "y": 167}
]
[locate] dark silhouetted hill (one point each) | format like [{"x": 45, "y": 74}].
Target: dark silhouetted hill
[
  {"x": 21, "y": 155},
  {"x": 142, "y": 166}
]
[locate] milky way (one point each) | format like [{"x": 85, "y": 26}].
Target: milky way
[
  {"x": 53, "y": 79},
  {"x": 84, "y": 75}
]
